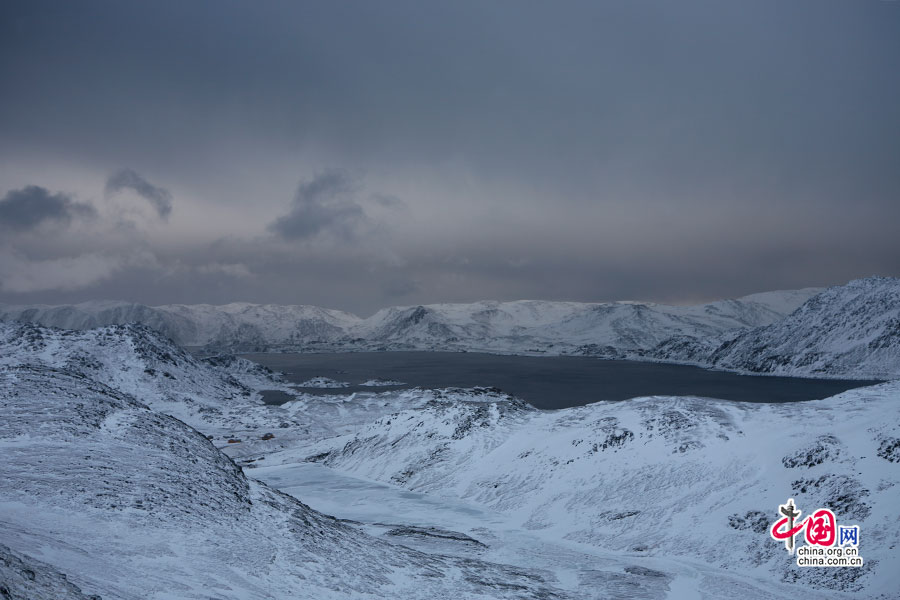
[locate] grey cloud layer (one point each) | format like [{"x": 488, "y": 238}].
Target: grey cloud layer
[
  {"x": 322, "y": 204},
  {"x": 582, "y": 150},
  {"x": 27, "y": 208},
  {"x": 126, "y": 179}
]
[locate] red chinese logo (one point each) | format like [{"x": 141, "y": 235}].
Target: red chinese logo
[
  {"x": 821, "y": 528},
  {"x": 787, "y": 533}
]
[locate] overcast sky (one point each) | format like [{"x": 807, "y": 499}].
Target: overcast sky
[{"x": 357, "y": 155}]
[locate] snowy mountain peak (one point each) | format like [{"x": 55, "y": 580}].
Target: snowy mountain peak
[{"x": 851, "y": 330}]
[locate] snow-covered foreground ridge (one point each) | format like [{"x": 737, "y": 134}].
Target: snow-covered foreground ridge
[
  {"x": 523, "y": 326},
  {"x": 128, "y": 502},
  {"x": 691, "y": 478},
  {"x": 99, "y": 483}
]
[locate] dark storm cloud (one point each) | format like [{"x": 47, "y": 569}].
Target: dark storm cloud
[
  {"x": 581, "y": 150},
  {"x": 321, "y": 204},
  {"x": 126, "y": 179},
  {"x": 673, "y": 90},
  {"x": 27, "y": 208}
]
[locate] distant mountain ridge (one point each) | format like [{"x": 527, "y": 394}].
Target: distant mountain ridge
[
  {"x": 851, "y": 330},
  {"x": 524, "y": 326},
  {"x": 227, "y": 325}
]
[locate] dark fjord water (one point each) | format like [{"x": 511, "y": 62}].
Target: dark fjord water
[{"x": 544, "y": 381}]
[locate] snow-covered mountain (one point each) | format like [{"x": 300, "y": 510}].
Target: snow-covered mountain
[
  {"x": 238, "y": 325},
  {"x": 247, "y": 326},
  {"x": 845, "y": 331},
  {"x": 606, "y": 329},
  {"x": 219, "y": 395},
  {"x": 137, "y": 360},
  {"x": 687, "y": 478},
  {"x": 610, "y": 329},
  {"x": 851, "y": 330},
  {"x": 88, "y": 315},
  {"x": 132, "y": 504},
  {"x": 650, "y": 498},
  {"x": 128, "y": 502}
]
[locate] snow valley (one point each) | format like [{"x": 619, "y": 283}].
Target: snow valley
[{"x": 136, "y": 469}]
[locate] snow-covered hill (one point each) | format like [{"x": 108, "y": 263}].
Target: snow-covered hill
[
  {"x": 239, "y": 326},
  {"x": 89, "y": 315},
  {"x": 642, "y": 498},
  {"x": 132, "y": 504},
  {"x": 607, "y": 329},
  {"x": 846, "y": 331},
  {"x": 220, "y": 395},
  {"x": 242, "y": 326},
  {"x": 698, "y": 479},
  {"x": 137, "y": 360},
  {"x": 23, "y": 578}
]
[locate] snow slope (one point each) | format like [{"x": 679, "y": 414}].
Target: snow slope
[
  {"x": 137, "y": 360},
  {"x": 220, "y": 395},
  {"x": 846, "y": 331},
  {"x": 247, "y": 326},
  {"x": 695, "y": 478},
  {"x": 133, "y": 504},
  {"x": 238, "y": 325},
  {"x": 23, "y": 578},
  {"x": 99, "y": 313},
  {"x": 608, "y": 329}
]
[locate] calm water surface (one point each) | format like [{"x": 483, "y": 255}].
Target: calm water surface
[{"x": 545, "y": 381}]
